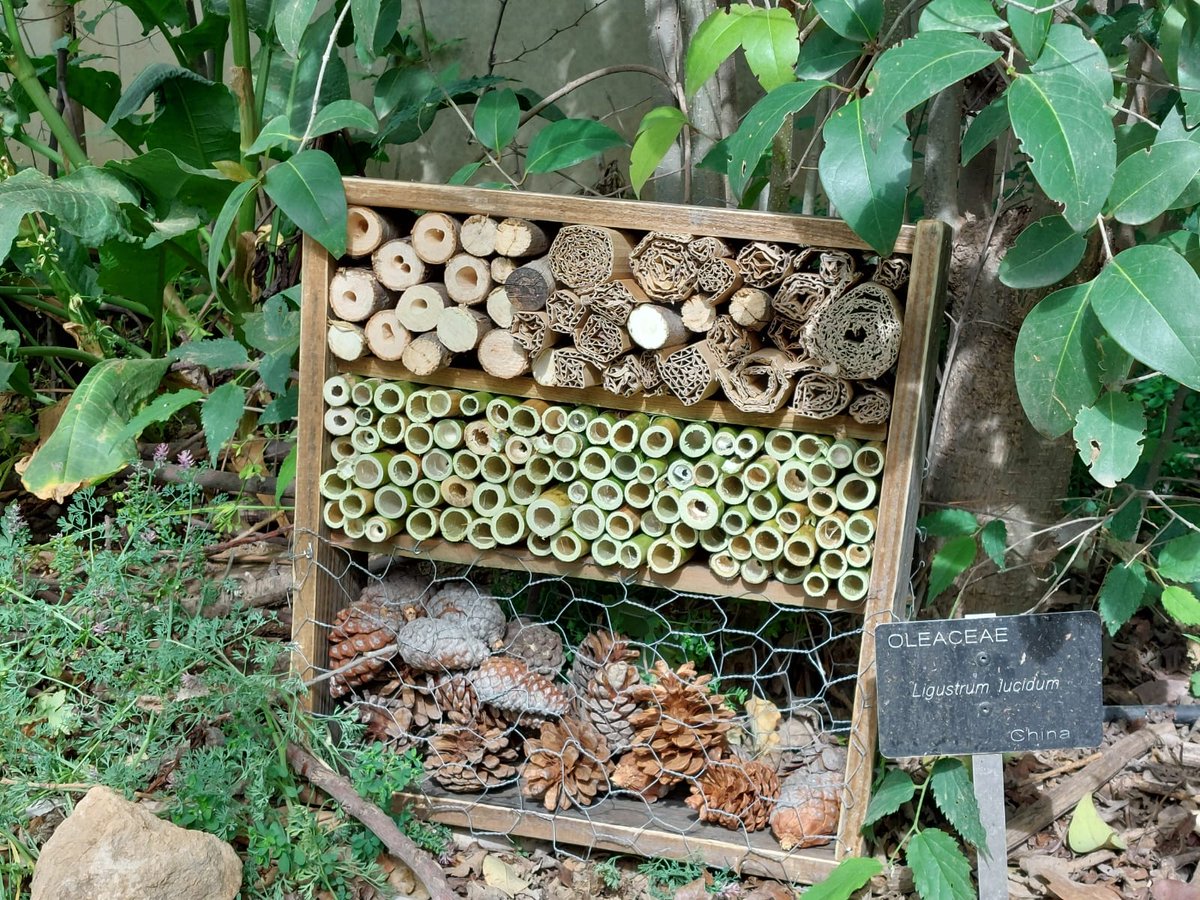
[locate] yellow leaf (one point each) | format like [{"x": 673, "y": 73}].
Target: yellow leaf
[
  {"x": 499, "y": 874},
  {"x": 1088, "y": 832},
  {"x": 232, "y": 170}
]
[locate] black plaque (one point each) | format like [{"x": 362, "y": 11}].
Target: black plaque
[{"x": 989, "y": 685}]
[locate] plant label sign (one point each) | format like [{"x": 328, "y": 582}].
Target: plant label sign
[{"x": 1000, "y": 684}]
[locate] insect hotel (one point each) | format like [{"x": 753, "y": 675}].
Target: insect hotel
[{"x": 708, "y": 424}]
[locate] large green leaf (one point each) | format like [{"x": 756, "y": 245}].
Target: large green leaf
[
  {"x": 770, "y": 39},
  {"x": 867, "y": 185},
  {"x": 1067, "y": 49},
  {"x": 956, "y": 799},
  {"x": 159, "y": 409},
  {"x": 1067, "y": 133},
  {"x": 894, "y": 791},
  {"x": 940, "y": 870},
  {"x": 1179, "y": 48},
  {"x": 846, "y": 880},
  {"x": 308, "y": 188},
  {"x": 762, "y": 123},
  {"x": 195, "y": 122},
  {"x": 1030, "y": 29},
  {"x": 84, "y": 448},
  {"x": 497, "y": 116},
  {"x": 375, "y": 23},
  {"x": 166, "y": 181},
  {"x": 1044, "y": 253},
  {"x": 1148, "y": 181},
  {"x": 960, "y": 15},
  {"x": 220, "y": 414},
  {"x": 229, "y": 213},
  {"x": 1179, "y": 559},
  {"x": 87, "y": 203},
  {"x": 149, "y": 80},
  {"x": 291, "y": 83},
  {"x": 856, "y": 20},
  {"x": 291, "y": 18},
  {"x": 1146, "y": 299},
  {"x": 824, "y": 53},
  {"x": 1121, "y": 594},
  {"x": 563, "y": 144},
  {"x": 952, "y": 559},
  {"x": 911, "y": 72},
  {"x": 343, "y": 114},
  {"x": 658, "y": 131},
  {"x": 1109, "y": 437},
  {"x": 989, "y": 124},
  {"x": 216, "y": 353},
  {"x": 993, "y": 537},
  {"x": 713, "y": 43},
  {"x": 1181, "y": 605},
  {"x": 949, "y": 521}
]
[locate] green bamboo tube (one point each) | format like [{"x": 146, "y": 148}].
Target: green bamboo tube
[
  {"x": 365, "y": 439},
  {"x": 378, "y": 529},
  {"x": 543, "y": 444},
  {"x": 791, "y": 516},
  {"x": 701, "y": 507},
  {"x": 362, "y": 393},
  {"x": 833, "y": 564},
  {"x": 357, "y": 502},
  {"x": 596, "y": 462},
  {"x": 666, "y": 506},
  {"x": 869, "y": 459},
  {"x": 764, "y": 505},
  {"x": 606, "y": 551},
  {"x": 588, "y": 521},
  {"x": 707, "y": 470},
  {"x": 540, "y": 470},
  {"x": 767, "y": 541},
  {"x": 482, "y": 439},
  {"x": 608, "y": 494},
  {"x": 740, "y": 547},
  {"x": 370, "y": 469},
  {"x": 622, "y": 523},
  {"x": 443, "y": 403},
  {"x": 780, "y": 445},
  {"x": 651, "y": 524},
  {"x": 332, "y": 485},
  {"x": 761, "y": 474},
  {"x": 749, "y": 443},
  {"x": 427, "y": 493},
  {"x": 341, "y": 448},
  {"x": 568, "y": 547},
  {"x": 854, "y": 492},
  {"x": 526, "y": 419},
  {"x": 518, "y": 449},
  {"x": 390, "y": 396},
  {"x": 391, "y": 428},
  {"x": 625, "y": 433},
  {"x": 578, "y": 418},
  {"x": 508, "y": 526},
  {"x": 696, "y": 439},
  {"x": 568, "y": 445},
  {"x": 822, "y": 501},
  {"x": 857, "y": 555},
  {"x": 841, "y": 452},
  {"x": 521, "y": 490},
  {"x": 723, "y": 565},
  {"x": 800, "y": 549},
  {"x": 474, "y": 403},
  {"x": 554, "y": 419},
  {"x": 448, "y": 434},
  {"x": 736, "y": 519},
  {"x": 853, "y": 585},
  {"x": 786, "y": 573},
  {"x": 754, "y": 571},
  {"x": 815, "y": 584},
  {"x": 659, "y": 437},
  {"x": 437, "y": 464},
  {"x": 404, "y": 469},
  {"x": 831, "y": 531},
  {"x": 579, "y": 491},
  {"x": 731, "y": 465},
  {"x": 345, "y": 467},
  {"x": 680, "y": 474},
  {"x": 332, "y": 515},
  {"x": 714, "y": 540},
  {"x": 565, "y": 470},
  {"x": 810, "y": 447},
  {"x": 454, "y": 524},
  {"x": 625, "y": 466},
  {"x": 496, "y": 469},
  {"x": 489, "y": 499},
  {"x": 821, "y": 473},
  {"x": 651, "y": 470},
  {"x": 465, "y": 464},
  {"x": 336, "y": 390},
  {"x": 638, "y": 495},
  {"x": 499, "y": 411},
  {"x": 537, "y": 545},
  {"x": 725, "y": 440},
  {"x": 339, "y": 420},
  {"x": 418, "y": 437},
  {"x": 457, "y": 491},
  {"x": 860, "y": 527},
  {"x": 731, "y": 489},
  {"x": 392, "y": 502},
  {"x": 354, "y": 528},
  {"x": 549, "y": 513},
  {"x": 599, "y": 428},
  {"x": 632, "y": 553},
  {"x": 480, "y": 534},
  {"x": 684, "y": 534},
  {"x": 364, "y": 415},
  {"x": 664, "y": 556},
  {"x": 793, "y": 480},
  {"x": 416, "y": 407}
]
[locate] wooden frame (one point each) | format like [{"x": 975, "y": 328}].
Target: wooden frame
[{"x": 319, "y": 594}]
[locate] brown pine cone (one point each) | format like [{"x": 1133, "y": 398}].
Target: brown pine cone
[
  {"x": 568, "y": 763},
  {"x": 599, "y": 648},
  {"x": 474, "y": 757},
  {"x": 387, "y": 720},
  {"x": 435, "y": 645},
  {"x": 400, "y": 589},
  {"x": 810, "y": 805},
  {"x": 455, "y": 699},
  {"x": 735, "y": 795},
  {"x": 538, "y": 646},
  {"x": 681, "y": 729},
  {"x": 607, "y": 703},
  {"x": 359, "y": 629},
  {"x": 413, "y": 691},
  {"x": 479, "y": 614},
  {"x": 508, "y": 685}
]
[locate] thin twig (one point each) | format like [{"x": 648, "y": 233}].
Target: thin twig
[
  {"x": 525, "y": 51},
  {"x": 495, "y": 36},
  {"x": 325, "y": 57},
  {"x": 389, "y": 650}
]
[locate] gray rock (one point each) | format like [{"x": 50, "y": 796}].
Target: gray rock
[{"x": 111, "y": 849}]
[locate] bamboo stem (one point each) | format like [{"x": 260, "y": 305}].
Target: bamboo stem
[
  {"x": 370, "y": 469},
  {"x": 404, "y": 469},
  {"x": 714, "y": 540},
  {"x": 391, "y": 396},
  {"x": 332, "y": 515},
  {"x": 754, "y": 571},
  {"x": 549, "y": 513},
  {"x": 833, "y": 564},
  {"x": 858, "y": 555},
  {"x": 761, "y": 473},
  {"x": 521, "y": 490},
  {"x": 791, "y": 516},
  {"x": 841, "y": 452},
  {"x": 822, "y": 501},
  {"x": 652, "y": 526},
  {"x": 731, "y": 489},
  {"x": 499, "y": 411},
  {"x": 701, "y": 508},
  {"x": 606, "y": 551},
  {"x": 336, "y": 390},
  {"x": 538, "y": 545},
  {"x": 354, "y": 528},
  {"x": 378, "y": 529},
  {"x": 608, "y": 494},
  {"x": 481, "y": 534},
  {"x": 724, "y": 565},
  {"x": 632, "y": 553},
  {"x": 764, "y": 505},
  {"x": 735, "y": 520},
  {"x": 695, "y": 440},
  {"x": 854, "y": 583},
  {"x": 626, "y": 433},
  {"x": 831, "y": 531},
  {"x": 800, "y": 549},
  {"x": 458, "y": 492},
  {"x": 625, "y": 466},
  {"x": 392, "y": 502},
  {"x": 821, "y": 473},
  {"x": 540, "y": 470},
  {"x": 426, "y": 493},
  {"x": 588, "y": 521},
  {"x": 707, "y": 471},
  {"x": 568, "y": 546},
  {"x": 622, "y": 523},
  {"x": 420, "y": 524},
  {"x": 332, "y": 485},
  {"x": 566, "y": 470},
  {"x": 664, "y": 556},
  {"x": 666, "y": 506},
  {"x": 341, "y": 448},
  {"x": 596, "y": 462},
  {"x": 854, "y": 492},
  {"x": 659, "y": 437},
  {"x": 509, "y": 526},
  {"x": 780, "y": 445},
  {"x": 495, "y": 469},
  {"x": 391, "y": 428},
  {"x": 860, "y": 527},
  {"x": 418, "y": 437},
  {"x": 638, "y": 495},
  {"x": 365, "y": 439},
  {"x": 454, "y": 524},
  {"x": 810, "y": 447},
  {"x": 448, "y": 434},
  {"x": 357, "y": 502},
  {"x": 684, "y": 534},
  {"x": 518, "y": 449},
  {"x": 815, "y": 584},
  {"x": 489, "y": 499}
]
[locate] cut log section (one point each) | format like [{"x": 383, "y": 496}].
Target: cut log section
[
  {"x": 586, "y": 255},
  {"x": 530, "y": 285},
  {"x": 750, "y": 308},
  {"x": 461, "y": 328},
  {"x": 425, "y": 355},
  {"x": 355, "y": 295},
  {"x": 728, "y": 341},
  {"x": 397, "y": 265},
  {"x": 386, "y": 337},
  {"x": 502, "y": 355},
  {"x": 764, "y": 264},
  {"x": 478, "y": 235},
  {"x": 366, "y": 229},
  {"x": 520, "y": 237},
  {"x": 663, "y": 266},
  {"x": 346, "y": 341},
  {"x": 689, "y": 373},
  {"x": 421, "y": 306},
  {"x": 654, "y": 327},
  {"x": 435, "y": 237},
  {"x": 502, "y": 267},
  {"x": 468, "y": 279},
  {"x": 699, "y": 312},
  {"x": 566, "y": 311},
  {"x": 499, "y": 307}
]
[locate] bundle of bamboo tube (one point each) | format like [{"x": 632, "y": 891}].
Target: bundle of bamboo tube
[
  {"x": 627, "y": 490},
  {"x": 759, "y": 324}
]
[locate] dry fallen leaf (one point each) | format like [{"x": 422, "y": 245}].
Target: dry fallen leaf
[
  {"x": 500, "y": 875},
  {"x": 1088, "y": 831}
]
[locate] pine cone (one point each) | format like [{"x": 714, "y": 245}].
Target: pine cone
[
  {"x": 474, "y": 757},
  {"x": 538, "y": 646},
  {"x": 414, "y": 691},
  {"x": 507, "y": 684},
  {"x": 359, "y": 629},
  {"x": 387, "y": 719},
  {"x": 607, "y": 703},
  {"x": 401, "y": 589},
  {"x": 455, "y": 699},
  {"x": 435, "y": 645},
  {"x": 479, "y": 614},
  {"x": 735, "y": 795},
  {"x": 681, "y": 730},
  {"x": 810, "y": 804},
  {"x": 568, "y": 763},
  {"x": 599, "y": 649}
]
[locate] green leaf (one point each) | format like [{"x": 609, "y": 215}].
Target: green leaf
[
  {"x": 1185, "y": 243},
  {"x": 1196, "y": 684},
  {"x": 850, "y": 876},
  {"x": 956, "y": 799},
  {"x": 497, "y": 116},
  {"x": 948, "y": 522},
  {"x": 1067, "y": 133},
  {"x": 87, "y": 203},
  {"x": 713, "y": 43},
  {"x": 1179, "y": 559},
  {"x": 1044, "y": 253},
  {"x": 1067, "y": 49},
  {"x": 940, "y": 870},
  {"x": 1181, "y": 605},
  {"x": 1179, "y": 47},
  {"x": 274, "y": 330},
  {"x": 994, "y": 540},
  {"x": 1146, "y": 299},
  {"x": 463, "y": 175},
  {"x": 291, "y": 18},
  {"x": 1147, "y": 182},
  {"x": 954, "y": 558},
  {"x": 308, "y": 188},
  {"x": 167, "y": 182},
  {"x": 229, "y": 213},
  {"x": 1121, "y": 594},
  {"x": 220, "y": 353},
  {"x": 375, "y": 23},
  {"x": 1088, "y": 832},
  {"x": 960, "y": 15},
  {"x": 158, "y": 410},
  {"x": 343, "y": 114},
  {"x": 220, "y": 415},
  {"x": 1029, "y": 29},
  {"x": 991, "y": 122},
  {"x": 84, "y": 448},
  {"x": 771, "y": 41},
  {"x": 658, "y": 131},
  {"x": 146, "y": 83},
  {"x": 276, "y": 133},
  {"x": 894, "y": 791},
  {"x": 763, "y": 121},
  {"x": 1109, "y": 437},
  {"x": 825, "y": 53},
  {"x": 561, "y": 145},
  {"x": 911, "y": 72},
  {"x": 195, "y": 121},
  {"x": 286, "y": 476},
  {"x": 855, "y": 20},
  {"x": 867, "y": 185}
]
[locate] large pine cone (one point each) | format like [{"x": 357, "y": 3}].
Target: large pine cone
[
  {"x": 735, "y": 794},
  {"x": 387, "y": 719},
  {"x": 435, "y": 645},
  {"x": 568, "y": 763},
  {"x": 474, "y": 757},
  {"x": 479, "y": 614},
  {"x": 599, "y": 649},
  {"x": 538, "y": 646},
  {"x": 810, "y": 802},
  {"x": 359, "y": 629},
  {"x": 680, "y": 731},
  {"x": 413, "y": 691},
  {"x": 508, "y": 685},
  {"x": 607, "y": 703},
  {"x": 455, "y": 699},
  {"x": 400, "y": 589}
]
